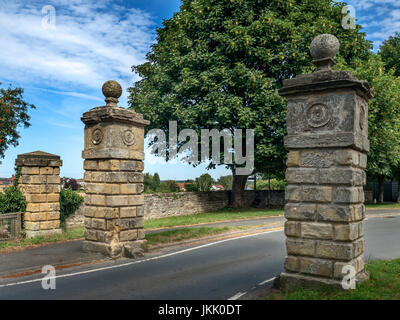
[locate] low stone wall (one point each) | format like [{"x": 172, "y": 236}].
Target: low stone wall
[{"x": 184, "y": 203}]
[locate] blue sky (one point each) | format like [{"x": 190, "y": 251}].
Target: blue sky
[{"x": 62, "y": 69}]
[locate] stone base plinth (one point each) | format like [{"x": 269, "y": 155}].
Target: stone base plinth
[
  {"x": 32, "y": 234},
  {"x": 134, "y": 249},
  {"x": 292, "y": 281}
]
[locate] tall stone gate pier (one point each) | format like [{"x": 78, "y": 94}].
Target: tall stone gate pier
[
  {"x": 114, "y": 154},
  {"x": 327, "y": 124}
]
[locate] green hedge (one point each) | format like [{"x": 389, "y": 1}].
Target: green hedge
[
  {"x": 12, "y": 200},
  {"x": 70, "y": 201}
]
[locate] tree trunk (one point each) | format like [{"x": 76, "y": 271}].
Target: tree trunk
[
  {"x": 381, "y": 180},
  {"x": 237, "y": 193}
]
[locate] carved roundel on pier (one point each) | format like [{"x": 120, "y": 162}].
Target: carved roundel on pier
[
  {"x": 318, "y": 115},
  {"x": 362, "y": 116},
  {"x": 128, "y": 137},
  {"x": 97, "y": 136}
]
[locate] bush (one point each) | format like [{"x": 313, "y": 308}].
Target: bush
[
  {"x": 12, "y": 200},
  {"x": 70, "y": 201},
  {"x": 275, "y": 184}
]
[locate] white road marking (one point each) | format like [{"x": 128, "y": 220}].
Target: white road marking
[
  {"x": 266, "y": 281},
  {"x": 137, "y": 262},
  {"x": 237, "y": 295}
]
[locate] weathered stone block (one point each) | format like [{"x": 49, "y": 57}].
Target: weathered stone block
[
  {"x": 304, "y": 247},
  {"x": 318, "y": 158},
  {"x": 357, "y": 264},
  {"x": 347, "y": 157},
  {"x": 316, "y": 194},
  {"x": 29, "y": 170},
  {"x": 314, "y": 266},
  {"x": 334, "y": 250},
  {"x": 128, "y": 235},
  {"x": 46, "y": 170},
  {"x": 47, "y": 225},
  {"x": 293, "y": 193},
  {"x": 292, "y": 264},
  {"x": 302, "y": 176},
  {"x": 127, "y": 212},
  {"x": 292, "y": 229},
  {"x": 347, "y": 232},
  {"x": 316, "y": 230},
  {"x": 348, "y": 195},
  {"x": 300, "y": 211},
  {"x": 293, "y": 159}
]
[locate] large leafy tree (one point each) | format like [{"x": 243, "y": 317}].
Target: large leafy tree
[
  {"x": 383, "y": 119},
  {"x": 219, "y": 63},
  {"x": 13, "y": 113},
  {"x": 390, "y": 53}
]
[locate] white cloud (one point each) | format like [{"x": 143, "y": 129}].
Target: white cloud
[{"x": 93, "y": 41}]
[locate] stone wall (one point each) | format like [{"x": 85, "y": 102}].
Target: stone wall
[{"x": 184, "y": 203}]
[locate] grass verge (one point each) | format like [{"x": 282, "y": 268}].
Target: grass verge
[
  {"x": 388, "y": 205},
  {"x": 153, "y": 239},
  {"x": 210, "y": 217},
  {"x": 171, "y": 236},
  {"x": 68, "y": 234},
  {"x": 384, "y": 284}
]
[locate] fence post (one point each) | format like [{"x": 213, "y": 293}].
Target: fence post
[{"x": 327, "y": 125}]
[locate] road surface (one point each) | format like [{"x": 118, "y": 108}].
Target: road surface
[{"x": 218, "y": 270}]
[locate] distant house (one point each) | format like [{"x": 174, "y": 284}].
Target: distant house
[
  {"x": 181, "y": 186},
  {"x": 81, "y": 183},
  {"x": 217, "y": 187}
]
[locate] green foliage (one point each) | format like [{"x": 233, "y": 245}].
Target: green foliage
[
  {"x": 275, "y": 184},
  {"x": 191, "y": 186},
  {"x": 13, "y": 112},
  {"x": 218, "y": 64},
  {"x": 390, "y": 53},
  {"x": 156, "y": 181},
  {"x": 204, "y": 182},
  {"x": 169, "y": 186},
  {"x": 70, "y": 201},
  {"x": 12, "y": 200},
  {"x": 226, "y": 182},
  {"x": 148, "y": 182},
  {"x": 383, "y": 116}
]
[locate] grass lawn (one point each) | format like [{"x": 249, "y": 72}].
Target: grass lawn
[
  {"x": 69, "y": 234},
  {"x": 209, "y": 217},
  {"x": 388, "y": 205},
  {"x": 384, "y": 284},
  {"x": 170, "y": 236},
  {"x": 158, "y": 238}
]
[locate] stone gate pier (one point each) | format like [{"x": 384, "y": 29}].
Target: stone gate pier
[
  {"x": 114, "y": 154},
  {"x": 40, "y": 183},
  {"x": 327, "y": 124}
]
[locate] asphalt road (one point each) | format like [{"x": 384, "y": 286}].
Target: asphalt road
[{"x": 211, "y": 271}]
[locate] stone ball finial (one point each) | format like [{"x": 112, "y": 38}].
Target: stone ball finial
[
  {"x": 323, "y": 49},
  {"x": 112, "y": 90}
]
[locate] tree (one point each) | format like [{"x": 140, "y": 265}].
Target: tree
[
  {"x": 170, "y": 186},
  {"x": 191, "y": 186},
  {"x": 156, "y": 182},
  {"x": 390, "y": 53},
  {"x": 218, "y": 65},
  {"x": 226, "y": 182},
  {"x": 13, "y": 113},
  {"x": 204, "y": 182},
  {"x": 148, "y": 182},
  {"x": 383, "y": 119}
]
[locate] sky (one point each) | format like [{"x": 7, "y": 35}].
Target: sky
[{"x": 62, "y": 68}]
